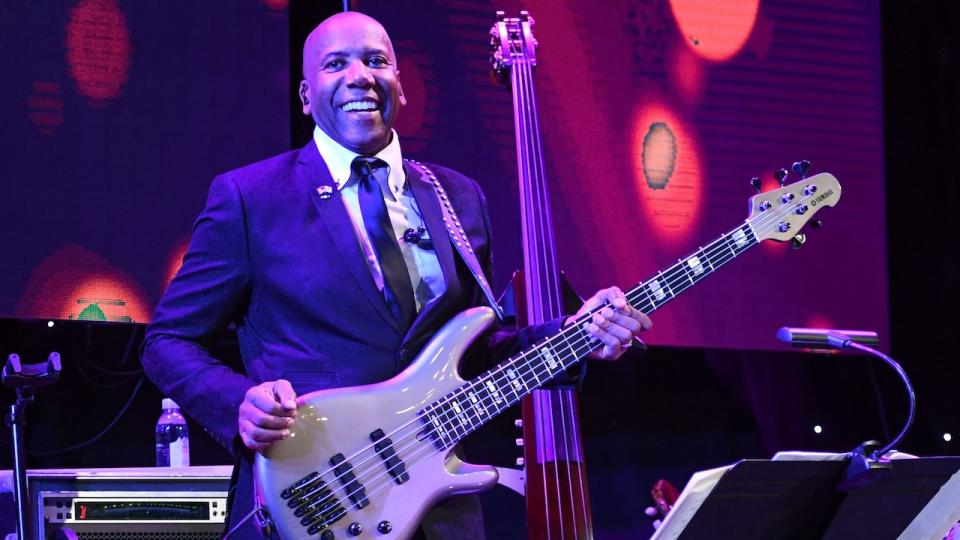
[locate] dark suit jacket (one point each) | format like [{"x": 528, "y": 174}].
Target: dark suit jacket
[{"x": 269, "y": 254}]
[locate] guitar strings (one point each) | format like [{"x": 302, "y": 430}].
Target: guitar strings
[
  {"x": 584, "y": 339},
  {"x": 494, "y": 375},
  {"x": 472, "y": 385},
  {"x": 538, "y": 211}
]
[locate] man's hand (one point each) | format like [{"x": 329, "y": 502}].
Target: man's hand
[
  {"x": 266, "y": 414},
  {"x": 615, "y": 326}
]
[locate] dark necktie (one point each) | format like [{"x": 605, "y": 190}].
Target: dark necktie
[{"x": 397, "y": 290}]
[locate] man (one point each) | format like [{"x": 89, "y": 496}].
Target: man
[{"x": 289, "y": 250}]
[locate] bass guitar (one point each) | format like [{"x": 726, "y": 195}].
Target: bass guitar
[{"x": 374, "y": 458}]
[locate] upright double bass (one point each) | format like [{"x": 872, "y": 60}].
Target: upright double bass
[{"x": 558, "y": 504}]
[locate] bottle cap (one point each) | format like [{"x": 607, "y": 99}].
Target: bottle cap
[{"x": 169, "y": 404}]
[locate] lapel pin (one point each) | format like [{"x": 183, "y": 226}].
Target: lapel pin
[{"x": 325, "y": 192}]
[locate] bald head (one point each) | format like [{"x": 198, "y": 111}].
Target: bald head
[
  {"x": 337, "y": 24},
  {"x": 350, "y": 82}
]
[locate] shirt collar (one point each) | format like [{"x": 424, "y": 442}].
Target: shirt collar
[{"x": 338, "y": 160}]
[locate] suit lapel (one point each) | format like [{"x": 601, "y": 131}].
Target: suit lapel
[
  {"x": 429, "y": 205},
  {"x": 315, "y": 176}
]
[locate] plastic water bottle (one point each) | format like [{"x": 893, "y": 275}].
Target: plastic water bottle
[{"x": 173, "y": 440}]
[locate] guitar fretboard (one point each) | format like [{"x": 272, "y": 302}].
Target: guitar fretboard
[{"x": 454, "y": 416}]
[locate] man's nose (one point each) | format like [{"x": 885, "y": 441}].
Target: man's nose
[{"x": 359, "y": 74}]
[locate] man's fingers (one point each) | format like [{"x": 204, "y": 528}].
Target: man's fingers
[
  {"x": 268, "y": 398},
  {"x": 254, "y": 445},
  {"x": 603, "y": 296},
  {"x": 609, "y": 339},
  {"x": 258, "y": 418},
  {"x": 266, "y": 414},
  {"x": 625, "y": 317},
  {"x": 260, "y": 439},
  {"x": 261, "y": 435},
  {"x": 284, "y": 394},
  {"x": 607, "y": 326}
]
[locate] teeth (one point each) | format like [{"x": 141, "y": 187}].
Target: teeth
[{"x": 359, "y": 106}]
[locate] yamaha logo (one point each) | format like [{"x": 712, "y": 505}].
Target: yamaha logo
[{"x": 821, "y": 197}]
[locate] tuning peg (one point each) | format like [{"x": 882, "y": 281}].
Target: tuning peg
[
  {"x": 801, "y": 167},
  {"x": 755, "y": 182},
  {"x": 816, "y": 224},
  {"x": 518, "y": 423},
  {"x": 798, "y": 240},
  {"x": 781, "y": 176}
]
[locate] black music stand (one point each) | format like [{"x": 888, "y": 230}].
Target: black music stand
[
  {"x": 25, "y": 378},
  {"x": 800, "y": 500}
]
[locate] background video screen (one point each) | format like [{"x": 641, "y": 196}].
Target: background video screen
[{"x": 655, "y": 114}]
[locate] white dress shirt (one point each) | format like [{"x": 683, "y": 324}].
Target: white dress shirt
[{"x": 422, "y": 264}]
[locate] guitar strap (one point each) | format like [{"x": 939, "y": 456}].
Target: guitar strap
[{"x": 458, "y": 237}]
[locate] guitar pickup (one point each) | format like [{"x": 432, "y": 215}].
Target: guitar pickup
[
  {"x": 314, "y": 511},
  {"x": 384, "y": 447},
  {"x": 310, "y": 503},
  {"x": 344, "y": 471}
]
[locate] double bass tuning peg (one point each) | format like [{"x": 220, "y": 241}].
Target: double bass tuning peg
[
  {"x": 755, "y": 182},
  {"x": 801, "y": 167},
  {"x": 781, "y": 176}
]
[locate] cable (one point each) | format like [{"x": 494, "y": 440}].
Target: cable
[{"x": 96, "y": 437}]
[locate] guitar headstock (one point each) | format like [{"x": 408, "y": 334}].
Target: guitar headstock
[
  {"x": 781, "y": 213},
  {"x": 511, "y": 43}
]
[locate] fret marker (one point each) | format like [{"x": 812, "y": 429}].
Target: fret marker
[
  {"x": 459, "y": 412},
  {"x": 739, "y": 238},
  {"x": 439, "y": 426},
  {"x": 492, "y": 388},
  {"x": 476, "y": 401},
  {"x": 657, "y": 291},
  {"x": 694, "y": 264},
  {"x": 517, "y": 385},
  {"x": 549, "y": 358}
]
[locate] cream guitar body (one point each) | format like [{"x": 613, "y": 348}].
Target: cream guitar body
[{"x": 341, "y": 421}]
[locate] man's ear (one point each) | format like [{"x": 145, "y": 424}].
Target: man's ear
[
  {"x": 304, "y": 98},
  {"x": 403, "y": 98}
]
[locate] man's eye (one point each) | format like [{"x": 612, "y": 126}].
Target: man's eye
[
  {"x": 335, "y": 64},
  {"x": 377, "y": 61}
]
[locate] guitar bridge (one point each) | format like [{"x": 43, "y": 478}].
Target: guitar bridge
[{"x": 313, "y": 502}]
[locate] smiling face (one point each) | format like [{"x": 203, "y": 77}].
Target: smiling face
[{"x": 350, "y": 85}]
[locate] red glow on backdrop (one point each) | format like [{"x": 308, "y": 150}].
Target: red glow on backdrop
[
  {"x": 75, "y": 283},
  {"x": 276, "y": 5},
  {"x": 666, "y": 171},
  {"x": 417, "y": 119},
  {"x": 98, "y": 49},
  {"x": 819, "y": 320},
  {"x": 174, "y": 262},
  {"x": 46, "y": 106},
  {"x": 761, "y": 37},
  {"x": 715, "y": 30},
  {"x": 687, "y": 75}
]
